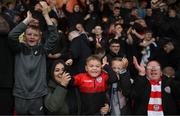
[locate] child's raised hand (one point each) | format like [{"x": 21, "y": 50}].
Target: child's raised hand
[
  {"x": 139, "y": 67},
  {"x": 28, "y": 18},
  {"x": 45, "y": 8},
  {"x": 29, "y": 15},
  {"x": 105, "y": 109},
  {"x": 125, "y": 63},
  {"x": 133, "y": 31},
  {"x": 105, "y": 61}
]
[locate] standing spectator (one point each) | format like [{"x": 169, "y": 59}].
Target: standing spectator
[
  {"x": 30, "y": 64},
  {"x": 80, "y": 49},
  {"x": 115, "y": 15},
  {"x": 174, "y": 26},
  {"x": 75, "y": 17},
  {"x": 92, "y": 18},
  {"x": 120, "y": 91},
  {"x": 153, "y": 92},
  {"x": 171, "y": 57},
  {"x": 149, "y": 48},
  {"x": 10, "y": 11},
  {"x": 126, "y": 8},
  {"x": 114, "y": 50},
  {"x": 118, "y": 35},
  {"x": 142, "y": 9},
  {"x": 149, "y": 19},
  {"x": 93, "y": 85},
  {"x": 6, "y": 70},
  {"x": 99, "y": 40}
]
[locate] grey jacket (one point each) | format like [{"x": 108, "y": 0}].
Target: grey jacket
[{"x": 30, "y": 63}]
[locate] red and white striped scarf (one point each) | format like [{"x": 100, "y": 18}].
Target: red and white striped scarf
[{"x": 155, "y": 101}]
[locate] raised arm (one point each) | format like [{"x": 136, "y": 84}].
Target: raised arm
[
  {"x": 112, "y": 75},
  {"x": 147, "y": 43},
  {"x": 52, "y": 29},
  {"x": 137, "y": 34},
  {"x": 17, "y": 31},
  {"x": 139, "y": 67}
]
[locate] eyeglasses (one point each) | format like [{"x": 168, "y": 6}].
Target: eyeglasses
[{"x": 153, "y": 67}]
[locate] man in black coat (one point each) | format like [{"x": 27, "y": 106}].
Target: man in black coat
[
  {"x": 171, "y": 57},
  {"x": 153, "y": 92}
]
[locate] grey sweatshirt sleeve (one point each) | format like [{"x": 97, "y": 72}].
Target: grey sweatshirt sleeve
[
  {"x": 52, "y": 39},
  {"x": 55, "y": 99},
  {"x": 14, "y": 35}
]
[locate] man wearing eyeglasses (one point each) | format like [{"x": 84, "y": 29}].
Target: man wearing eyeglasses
[{"x": 154, "y": 94}]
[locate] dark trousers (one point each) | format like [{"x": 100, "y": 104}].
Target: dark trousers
[
  {"x": 6, "y": 101},
  {"x": 29, "y": 106}
]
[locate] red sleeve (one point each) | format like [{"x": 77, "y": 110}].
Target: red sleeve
[{"x": 77, "y": 79}]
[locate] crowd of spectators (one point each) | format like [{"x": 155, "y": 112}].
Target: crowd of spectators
[{"x": 100, "y": 57}]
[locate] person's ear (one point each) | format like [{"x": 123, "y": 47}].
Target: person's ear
[
  {"x": 24, "y": 36},
  {"x": 161, "y": 73},
  {"x": 86, "y": 68}
]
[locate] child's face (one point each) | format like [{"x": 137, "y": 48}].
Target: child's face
[
  {"x": 148, "y": 36},
  {"x": 58, "y": 71},
  {"x": 93, "y": 68},
  {"x": 32, "y": 36},
  {"x": 117, "y": 66}
]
